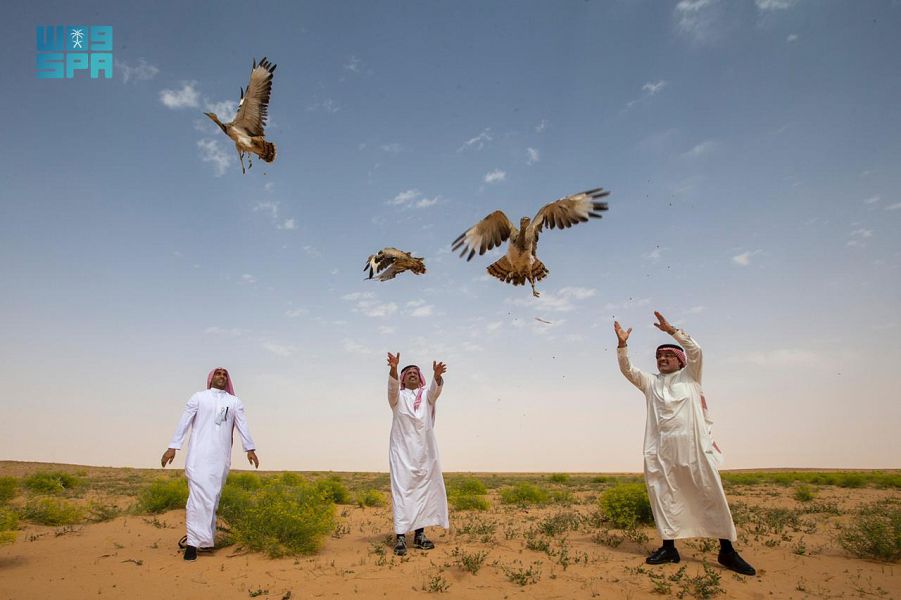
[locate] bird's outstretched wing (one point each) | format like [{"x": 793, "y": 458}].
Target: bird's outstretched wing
[
  {"x": 386, "y": 259},
  {"x": 491, "y": 231},
  {"x": 254, "y": 107},
  {"x": 568, "y": 211}
]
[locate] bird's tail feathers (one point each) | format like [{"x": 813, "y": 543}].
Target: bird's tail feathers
[{"x": 268, "y": 151}]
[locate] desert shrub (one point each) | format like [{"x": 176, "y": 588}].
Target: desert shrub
[
  {"x": 561, "y": 497},
  {"x": 627, "y": 505},
  {"x": 523, "y": 493},
  {"x": 163, "y": 495},
  {"x": 875, "y": 532},
  {"x": 470, "y": 561},
  {"x": 804, "y": 493},
  {"x": 9, "y": 522},
  {"x": 280, "y": 519},
  {"x": 244, "y": 480},
  {"x": 51, "y": 482},
  {"x": 46, "y": 510},
  {"x": 469, "y": 485},
  {"x": 102, "y": 511},
  {"x": 335, "y": 489},
  {"x": 8, "y": 488},
  {"x": 371, "y": 498},
  {"x": 559, "y": 478},
  {"x": 468, "y": 502},
  {"x": 288, "y": 478},
  {"x": 559, "y": 523}
]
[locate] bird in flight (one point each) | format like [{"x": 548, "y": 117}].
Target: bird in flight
[
  {"x": 521, "y": 264},
  {"x": 390, "y": 262},
  {"x": 246, "y": 129}
]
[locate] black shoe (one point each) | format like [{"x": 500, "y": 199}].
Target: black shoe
[
  {"x": 400, "y": 548},
  {"x": 732, "y": 560},
  {"x": 421, "y": 542},
  {"x": 663, "y": 555},
  {"x": 190, "y": 553}
]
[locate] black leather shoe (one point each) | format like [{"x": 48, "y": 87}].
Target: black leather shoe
[
  {"x": 400, "y": 548},
  {"x": 663, "y": 555},
  {"x": 190, "y": 553},
  {"x": 732, "y": 560},
  {"x": 421, "y": 542}
]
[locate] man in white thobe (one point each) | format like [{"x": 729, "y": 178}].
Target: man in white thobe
[
  {"x": 213, "y": 415},
  {"x": 680, "y": 457},
  {"x": 419, "y": 498}
]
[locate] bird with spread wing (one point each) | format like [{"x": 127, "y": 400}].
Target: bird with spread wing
[
  {"x": 520, "y": 264},
  {"x": 391, "y": 262},
  {"x": 246, "y": 129}
]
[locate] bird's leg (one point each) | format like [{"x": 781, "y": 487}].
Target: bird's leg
[
  {"x": 532, "y": 281},
  {"x": 249, "y": 161},
  {"x": 241, "y": 158}
]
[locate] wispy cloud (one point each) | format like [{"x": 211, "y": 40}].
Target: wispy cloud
[
  {"x": 744, "y": 259},
  {"x": 186, "y": 97},
  {"x": 533, "y": 156},
  {"x": 269, "y": 207},
  {"x": 293, "y": 313},
  {"x": 283, "y": 350},
  {"x": 699, "y": 20},
  {"x": 367, "y": 304},
  {"x": 894, "y": 206},
  {"x": 143, "y": 71},
  {"x": 423, "y": 311},
  {"x": 211, "y": 151},
  {"x": 873, "y": 199},
  {"x": 248, "y": 279},
  {"x": 392, "y": 148},
  {"x": 542, "y": 125},
  {"x": 792, "y": 38},
  {"x": 649, "y": 89},
  {"x": 355, "y": 347},
  {"x": 478, "y": 142},
  {"x": 287, "y": 224},
  {"x": 563, "y": 301},
  {"x": 495, "y": 176},
  {"x": 354, "y": 65},
  {"x": 655, "y": 254},
  {"x": 774, "y": 4},
  {"x": 701, "y": 149},
  {"x": 413, "y": 198},
  {"x": 232, "y": 332},
  {"x": 224, "y": 109},
  {"x": 858, "y": 236},
  {"x": 328, "y": 105}
]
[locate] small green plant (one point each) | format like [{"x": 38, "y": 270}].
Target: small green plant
[
  {"x": 627, "y": 505},
  {"x": 464, "y": 502},
  {"x": 9, "y": 486},
  {"x": 51, "y": 482},
  {"x": 523, "y": 576},
  {"x": 9, "y": 523},
  {"x": 875, "y": 532},
  {"x": 470, "y": 561},
  {"x": 244, "y": 480},
  {"x": 607, "y": 538},
  {"x": 559, "y": 478},
  {"x": 469, "y": 485},
  {"x": 102, "y": 511},
  {"x": 371, "y": 497},
  {"x": 163, "y": 495},
  {"x": 560, "y": 523},
  {"x": 46, "y": 510},
  {"x": 524, "y": 494},
  {"x": 804, "y": 493},
  {"x": 468, "y": 494},
  {"x": 477, "y": 527},
  {"x": 257, "y": 592},
  {"x": 436, "y": 584},
  {"x": 334, "y": 487}
]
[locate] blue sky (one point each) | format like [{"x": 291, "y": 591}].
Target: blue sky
[{"x": 752, "y": 154}]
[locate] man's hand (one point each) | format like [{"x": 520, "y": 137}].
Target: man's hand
[
  {"x": 168, "y": 457},
  {"x": 663, "y": 325},
  {"x": 393, "y": 359},
  {"x": 252, "y": 459},
  {"x": 621, "y": 335},
  {"x": 439, "y": 369}
]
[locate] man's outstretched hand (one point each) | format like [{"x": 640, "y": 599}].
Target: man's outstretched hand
[
  {"x": 439, "y": 369},
  {"x": 663, "y": 325},
  {"x": 621, "y": 335},
  {"x": 168, "y": 457}
]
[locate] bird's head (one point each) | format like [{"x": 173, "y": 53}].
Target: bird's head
[
  {"x": 524, "y": 223},
  {"x": 215, "y": 120},
  {"x": 418, "y": 266}
]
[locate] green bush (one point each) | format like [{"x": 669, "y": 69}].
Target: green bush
[
  {"x": 627, "y": 505},
  {"x": 163, "y": 495},
  {"x": 371, "y": 498},
  {"x": 289, "y": 479},
  {"x": 804, "y": 493},
  {"x": 469, "y": 502},
  {"x": 335, "y": 489},
  {"x": 51, "y": 482},
  {"x": 279, "y": 519},
  {"x": 524, "y": 494},
  {"x": 559, "y": 478},
  {"x": 9, "y": 522},
  {"x": 468, "y": 486},
  {"x": 9, "y": 486},
  {"x": 46, "y": 510},
  {"x": 874, "y": 533},
  {"x": 244, "y": 480}
]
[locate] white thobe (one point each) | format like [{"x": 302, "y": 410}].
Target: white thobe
[
  {"x": 213, "y": 415},
  {"x": 417, "y": 485},
  {"x": 680, "y": 456}
]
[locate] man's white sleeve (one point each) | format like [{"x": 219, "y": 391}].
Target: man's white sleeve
[
  {"x": 393, "y": 391},
  {"x": 187, "y": 418},
  {"x": 242, "y": 427},
  {"x": 638, "y": 378},
  {"x": 692, "y": 354},
  {"x": 434, "y": 391}
]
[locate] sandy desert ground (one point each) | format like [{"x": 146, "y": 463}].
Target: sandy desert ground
[{"x": 556, "y": 550}]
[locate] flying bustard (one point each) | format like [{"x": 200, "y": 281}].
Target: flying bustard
[
  {"x": 246, "y": 129},
  {"x": 390, "y": 262},
  {"x": 520, "y": 264}
]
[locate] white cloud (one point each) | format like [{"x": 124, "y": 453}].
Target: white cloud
[
  {"x": 283, "y": 350},
  {"x": 423, "y": 311},
  {"x": 534, "y": 156},
  {"x": 211, "y": 151},
  {"x": 293, "y": 313},
  {"x": 495, "y": 176},
  {"x": 311, "y": 250},
  {"x": 143, "y": 71},
  {"x": 696, "y": 310},
  {"x": 698, "y": 19},
  {"x": 562, "y": 301},
  {"x": 655, "y": 254},
  {"x": 354, "y": 64},
  {"x": 705, "y": 147},
  {"x": 248, "y": 278},
  {"x": 653, "y": 87},
  {"x": 224, "y": 109},
  {"x": 792, "y": 38},
  {"x": 478, "y": 142},
  {"x": 357, "y": 296},
  {"x": 405, "y": 197},
  {"x": 863, "y": 233},
  {"x": 328, "y": 105},
  {"x": 774, "y": 4},
  {"x": 873, "y": 199},
  {"x": 541, "y": 126},
  {"x": 744, "y": 259},
  {"x": 894, "y": 206},
  {"x": 392, "y": 148},
  {"x": 186, "y": 97},
  {"x": 269, "y": 186},
  {"x": 367, "y": 304},
  {"x": 267, "y": 206},
  {"x": 355, "y": 347},
  {"x": 426, "y": 202},
  {"x": 288, "y": 224}
]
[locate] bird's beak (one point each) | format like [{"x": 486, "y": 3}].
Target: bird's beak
[{"x": 210, "y": 115}]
